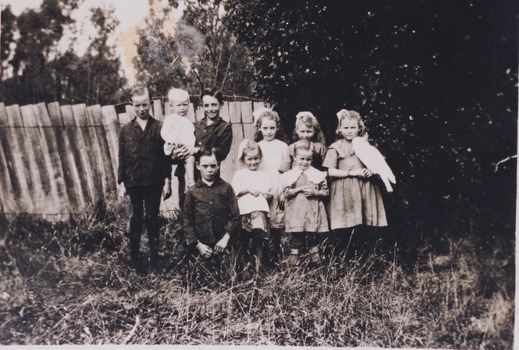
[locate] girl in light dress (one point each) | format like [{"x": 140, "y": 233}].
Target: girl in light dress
[
  {"x": 306, "y": 128},
  {"x": 253, "y": 190},
  {"x": 267, "y": 124},
  {"x": 355, "y": 197},
  {"x": 304, "y": 189}
]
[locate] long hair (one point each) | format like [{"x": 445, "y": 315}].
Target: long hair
[{"x": 307, "y": 119}]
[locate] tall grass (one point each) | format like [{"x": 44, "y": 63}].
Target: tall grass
[{"x": 70, "y": 283}]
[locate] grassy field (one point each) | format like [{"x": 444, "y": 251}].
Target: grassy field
[{"x": 70, "y": 283}]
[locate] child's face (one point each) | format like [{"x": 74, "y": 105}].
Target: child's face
[
  {"x": 141, "y": 105},
  {"x": 180, "y": 107},
  {"x": 208, "y": 167},
  {"x": 303, "y": 159},
  {"x": 349, "y": 129},
  {"x": 211, "y": 107},
  {"x": 268, "y": 129},
  {"x": 252, "y": 160},
  {"x": 305, "y": 132}
]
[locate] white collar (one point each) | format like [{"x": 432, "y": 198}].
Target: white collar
[{"x": 311, "y": 173}]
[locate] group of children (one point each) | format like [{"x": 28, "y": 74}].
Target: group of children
[{"x": 303, "y": 189}]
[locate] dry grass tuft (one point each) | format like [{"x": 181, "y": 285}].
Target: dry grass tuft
[{"x": 70, "y": 283}]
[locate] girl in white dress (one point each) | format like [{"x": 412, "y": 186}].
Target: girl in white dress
[
  {"x": 267, "y": 124},
  {"x": 253, "y": 190}
]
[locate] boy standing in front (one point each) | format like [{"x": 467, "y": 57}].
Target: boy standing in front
[
  {"x": 211, "y": 214},
  {"x": 146, "y": 173}
]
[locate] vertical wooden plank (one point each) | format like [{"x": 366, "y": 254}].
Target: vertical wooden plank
[
  {"x": 21, "y": 178},
  {"x": 9, "y": 195},
  {"x": 246, "y": 112},
  {"x": 224, "y": 111},
  {"x": 130, "y": 112},
  {"x": 249, "y": 130},
  {"x": 235, "y": 112},
  {"x": 112, "y": 130},
  {"x": 79, "y": 153},
  {"x": 80, "y": 135},
  {"x": 191, "y": 113},
  {"x": 229, "y": 165},
  {"x": 199, "y": 114},
  {"x": 157, "y": 110},
  {"x": 257, "y": 105},
  {"x": 68, "y": 161},
  {"x": 52, "y": 159},
  {"x": 123, "y": 118},
  {"x": 43, "y": 191},
  {"x": 102, "y": 148},
  {"x": 167, "y": 108},
  {"x": 90, "y": 143}
]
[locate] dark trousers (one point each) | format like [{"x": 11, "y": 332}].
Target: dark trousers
[{"x": 145, "y": 198}]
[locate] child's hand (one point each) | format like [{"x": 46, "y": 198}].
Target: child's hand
[
  {"x": 308, "y": 191},
  {"x": 222, "y": 243},
  {"x": 166, "y": 192},
  {"x": 268, "y": 195},
  {"x": 254, "y": 192},
  {"x": 361, "y": 172},
  {"x": 204, "y": 250},
  {"x": 181, "y": 152}
]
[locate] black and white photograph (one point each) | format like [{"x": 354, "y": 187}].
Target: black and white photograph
[{"x": 258, "y": 173}]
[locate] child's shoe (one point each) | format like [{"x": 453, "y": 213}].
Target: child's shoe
[
  {"x": 293, "y": 258},
  {"x": 315, "y": 258}
]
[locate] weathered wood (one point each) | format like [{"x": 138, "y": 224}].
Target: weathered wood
[
  {"x": 235, "y": 112},
  {"x": 79, "y": 153},
  {"x": 246, "y": 112},
  {"x": 70, "y": 170},
  {"x": 224, "y": 111},
  {"x": 52, "y": 159},
  {"x": 9, "y": 191},
  {"x": 257, "y": 105},
  {"x": 130, "y": 112},
  {"x": 199, "y": 114},
  {"x": 248, "y": 131},
  {"x": 32, "y": 149},
  {"x": 191, "y": 113},
  {"x": 123, "y": 118},
  {"x": 167, "y": 108},
  {"x": 102, "y": 152},
  {"x": 21, "y": 178},
  {"x": 81, "y": 136},
  {"x": 157, "y": 110},
  {"x": 112, "y": 130}
]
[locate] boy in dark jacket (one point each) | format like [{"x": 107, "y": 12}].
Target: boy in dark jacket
[
  {"x": 145, "y": 172},
  {"x": 211, "y": 214}
]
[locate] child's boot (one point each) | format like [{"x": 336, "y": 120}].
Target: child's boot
[
  {"x": 315, "y": 258},
  {"x": 293, "y": 258}
]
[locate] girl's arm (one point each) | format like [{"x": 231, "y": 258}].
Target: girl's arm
[{"x": 339, "y": 173}]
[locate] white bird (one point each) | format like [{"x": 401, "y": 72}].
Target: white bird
[{"x": 373, "y": 160}]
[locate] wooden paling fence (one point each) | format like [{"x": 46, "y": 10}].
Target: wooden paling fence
[{"x": 57, "y": 161}]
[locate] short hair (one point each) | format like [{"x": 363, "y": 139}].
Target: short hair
[
  {"x": 350, "y": 115},
  {"x": 140, "y": 90},
  {"x": 304, "y": 145},
  {"x": 248, "y": 146},
  {"x": 206, "y": 152},
  {"x": 176, "y": 94},
  {"x": 214, "y": 92}
]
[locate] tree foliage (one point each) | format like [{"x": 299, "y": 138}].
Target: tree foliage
[
  {"x": 198, "y": 53},
  {"x": 41, "y": 72},
  {"x": 435, "y": 80}
]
